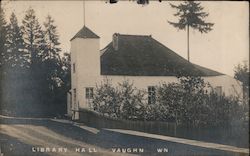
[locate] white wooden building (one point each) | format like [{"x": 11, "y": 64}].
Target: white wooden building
[{"x": 139, "y": 59}]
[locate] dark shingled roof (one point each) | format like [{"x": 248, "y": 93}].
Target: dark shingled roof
[
  {"x": 144, "y": 56},
  {"x": 85, "y": 33}
]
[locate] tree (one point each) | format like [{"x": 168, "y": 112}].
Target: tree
[
  {"x": 106, "y": 100},
  {"x": 33, "y": 37},
  {"x": 36, "y": 47},
  {"x": 52, "y": 39},
  {"x": 124, "y": 101},
  {"x": 131, "y": 101},
  {"x": 191, "y": 15},
  {"x": 65, "y": 71},
  {"x": 3, "y": 33},
  {"x": 241, "y": 73},
  {"x": 15, "y": 44},
  {"x": 2, "y": 51},
  {"x": 50, "y": 53}
]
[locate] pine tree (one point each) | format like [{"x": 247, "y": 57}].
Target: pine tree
[
  {"x": 52, "y": 65},
  {"x": 191, "y": 15},
  {"x": 3, "y": 32},
  {"x": 51, "y": 39},
  {"x": 2, "y": 55},
  {"x": 34, "y": 43},
  {"x": 50, "y": 55},
  {"x": 15, "y": 44},
  {"x": 33, "y": 37}
]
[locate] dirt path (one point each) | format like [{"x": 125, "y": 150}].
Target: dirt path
[
  {"x": 32, "y": 139},
  {"x": 55, "y": 137}
]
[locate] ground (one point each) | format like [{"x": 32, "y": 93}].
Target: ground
[{"x": 30, "y": 136}]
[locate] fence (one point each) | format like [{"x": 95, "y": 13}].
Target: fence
[
  {"x": 234, "y": 135},
  {"x": 99, "y": 121}
]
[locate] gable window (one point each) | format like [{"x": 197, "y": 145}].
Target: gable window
[
  {"x": 74, "y": 67},
  {"x": 89, "y": 92},
  {"x": 218, "y": 90},
  {"x": 151, "y": 94}
]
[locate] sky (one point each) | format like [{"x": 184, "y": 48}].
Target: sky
[{"x": 221, "y": 49}]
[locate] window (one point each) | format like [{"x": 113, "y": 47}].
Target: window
[
  {"x": 74, "y": 68},
  {"x": 89, "y": 93},
  {"x": 151, "y": 95},
  {"x": 218, "y": 90},
  {"x": 74, "y": 94}
]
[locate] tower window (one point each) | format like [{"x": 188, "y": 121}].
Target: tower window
[
  {"x": 89, "y": 93},
  {"x": 151, "y": 95},
  {"x": 74, "y": 68}
]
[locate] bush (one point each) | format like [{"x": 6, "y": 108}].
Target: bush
[
  {"x": 191, "y": 103},
  {"x": 132, "y": 106},
  {"x": 106, "y": 100},
  {"x": 124, "y": 101},
  {"x": 188, "y": 102}
]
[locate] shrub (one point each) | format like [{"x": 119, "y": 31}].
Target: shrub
[
  {"x": 124, "y": 101},
  {"x": 132, "y": 106},
  {"x": 187, "y": 103},
  {"x": 106, "y": 100}
]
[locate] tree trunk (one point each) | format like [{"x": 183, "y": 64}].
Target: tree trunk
[{"x": 188, "y": 43}]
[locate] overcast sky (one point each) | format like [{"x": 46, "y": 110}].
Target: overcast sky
[{"x": 221, "y": 49}]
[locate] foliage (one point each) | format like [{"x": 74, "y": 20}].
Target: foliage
[
  {"x": 184, "y": 101},
  {"x": 106, "y": 100},
  {"x": 241, "y": 73},
  {"x": 15, "y": 56},
  {"x": 164, "y": 109},
  {"x": 123, "y": 101},
  {"x": 65, "y": 71},
  {"x": 3, "y": 32},
  {"x": 33, "y": 38},
  {"x": 196, "y": 104},
  {"x": 131, "y": 101},
  {"x": 192, "y": 101},
  {"x": 36, "y": 78},
  {"x": 191, "y": 15}
]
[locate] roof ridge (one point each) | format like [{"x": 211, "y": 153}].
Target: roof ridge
[{"x": 133, "y": 35}]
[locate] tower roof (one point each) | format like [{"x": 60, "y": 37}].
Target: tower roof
[{"x": 85, "y": 33}]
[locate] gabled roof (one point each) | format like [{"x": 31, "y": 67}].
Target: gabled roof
[
  {"x": 144, "y": 56},
  {"x": 85, "y": 33}
]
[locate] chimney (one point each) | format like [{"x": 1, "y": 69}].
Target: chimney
[{"x": 115, "y": 41}]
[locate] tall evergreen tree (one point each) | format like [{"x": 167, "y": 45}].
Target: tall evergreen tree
[
  {"x": 2, "y": 53},
  {"x": 51, "y": 39},
  {"x": 33, "y": 37},
  {"x": 15, "y": 44},
  {"x": 50, "y": 56},
  {"x": 34, "y": 43},
  {"x": 191, "y": 15},
  {"x": 3, "y": 32},
  {"x": 53, "y": 67}
]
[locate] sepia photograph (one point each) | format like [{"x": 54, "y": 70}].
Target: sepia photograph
[{"x": 124, "y": 77}]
